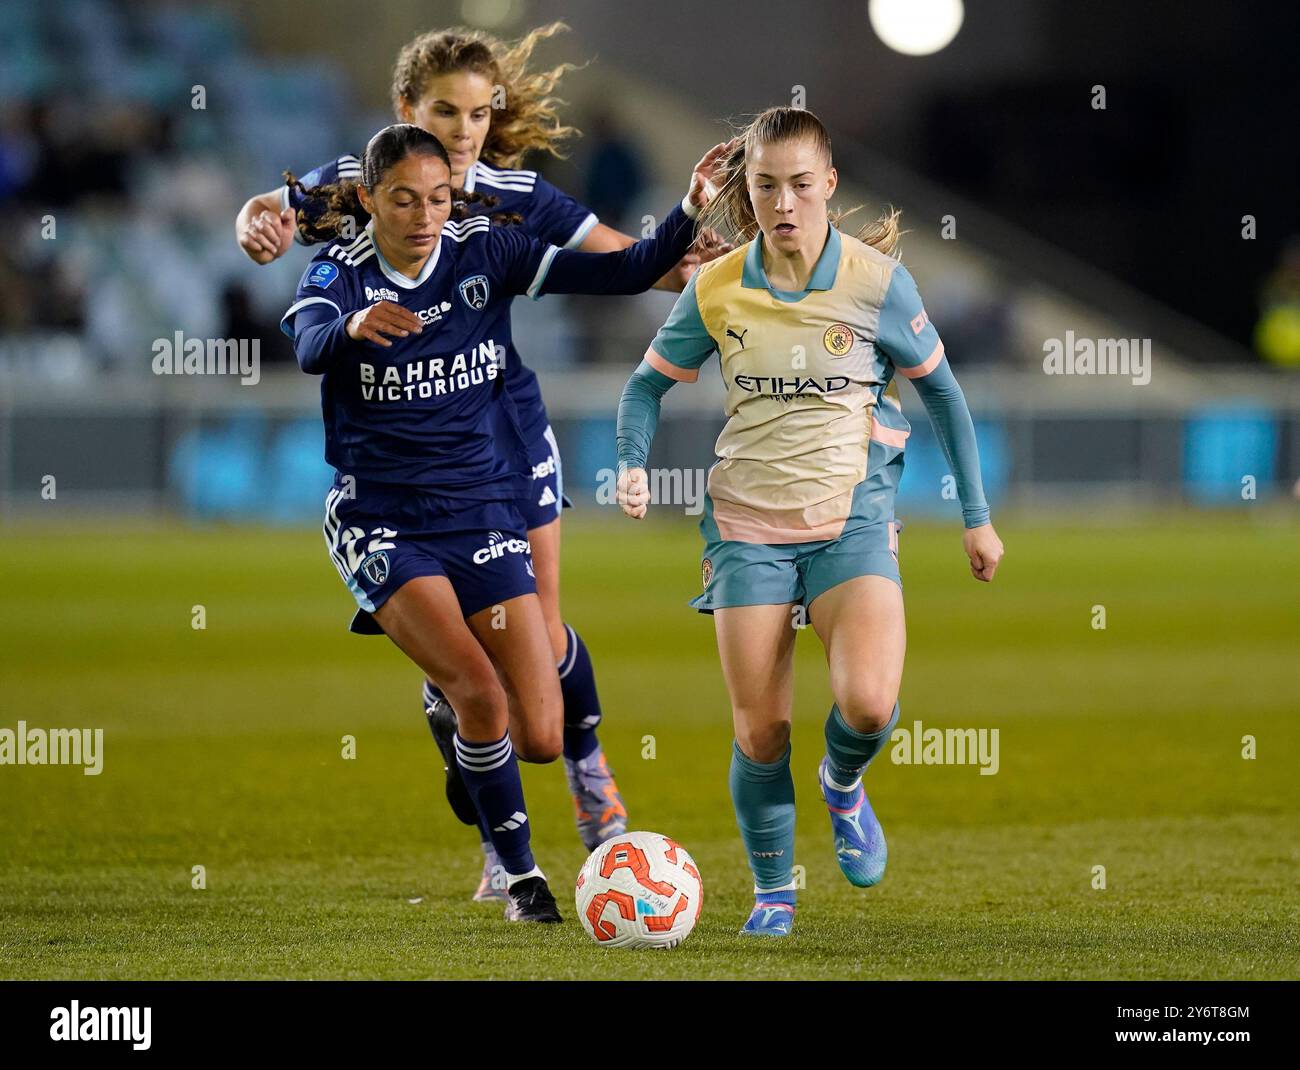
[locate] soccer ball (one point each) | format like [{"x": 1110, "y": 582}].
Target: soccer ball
[{"x": 639, "y": 890}]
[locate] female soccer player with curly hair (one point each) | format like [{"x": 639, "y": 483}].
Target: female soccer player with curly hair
[
  {"x": 482, "y": 101},
  {"x": 810, "y": 326}
]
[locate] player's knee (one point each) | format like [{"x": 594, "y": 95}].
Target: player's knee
[
  {"x": 539, "y": 726},
  {"x": 764, "y": 742},
  {"x": 866, "y": 708},
  {"x": 479, "y": 701},
  {"x": 540, "y": 748},
  {"x": 539, "y": 743}
]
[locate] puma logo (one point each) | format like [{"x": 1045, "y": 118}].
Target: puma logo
[{"x": 738, "y": 337}]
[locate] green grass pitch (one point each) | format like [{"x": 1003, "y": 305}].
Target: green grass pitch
[{"x": 1119, "y": 748}]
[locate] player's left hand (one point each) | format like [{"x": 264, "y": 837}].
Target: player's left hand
[
  {"x": 711, "y": 164},
  {"x": 984, "y": 549}
]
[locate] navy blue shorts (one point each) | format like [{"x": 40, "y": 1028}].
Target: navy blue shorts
[
  {"x": 381, "y": 537},
  {"x": 546, "y": 498}
]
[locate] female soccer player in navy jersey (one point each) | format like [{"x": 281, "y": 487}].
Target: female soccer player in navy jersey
[
  {"x": 810, "y": 326},
  {"x": 479, "y": 98},
  {"x": 408, "y": 325}
]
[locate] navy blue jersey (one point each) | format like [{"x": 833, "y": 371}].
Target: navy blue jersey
[
  {"x": 548, "y": 215},
  {"x": 433, "y": 410}
]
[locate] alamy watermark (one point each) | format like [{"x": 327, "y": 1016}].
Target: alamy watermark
[
  {"x": 919, "y": 745},
  {"x": 667, "y": 486},
  {"x": 1099, "y": 356},
  {"x": 54, "y": 746},
  {"x": 75, "y": 1022},
  {"x": 179, "y": 355}
]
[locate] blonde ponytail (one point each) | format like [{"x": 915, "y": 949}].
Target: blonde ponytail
[{"x": 884, "y": 234}]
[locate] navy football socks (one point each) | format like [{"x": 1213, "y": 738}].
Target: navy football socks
[
  {"x": 491, "y": 773},
  {"x": 581, "y": 703}
]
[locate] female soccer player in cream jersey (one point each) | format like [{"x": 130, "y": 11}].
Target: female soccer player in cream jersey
[{"x": 810, "y": 326}]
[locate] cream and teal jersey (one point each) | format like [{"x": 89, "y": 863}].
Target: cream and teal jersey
[{"x": 806, "y": 372}]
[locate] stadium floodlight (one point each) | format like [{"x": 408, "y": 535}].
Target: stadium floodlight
[
  {"x": 489, "y": 14},
  {"x": 916, "y": 27}
]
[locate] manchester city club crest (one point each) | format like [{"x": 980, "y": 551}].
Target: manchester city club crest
[
  {"x": 475, "y": 291},
  {"x": 838, "y": 339},
  {"x": 375, "y": 568}
]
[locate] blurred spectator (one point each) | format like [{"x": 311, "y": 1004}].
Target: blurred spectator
[
  {"x": 240, "y": 320},
  {"x": 118, "y": 192},
  {"x": 973, "y": 317},
  {"x": 615, "y": 175}
]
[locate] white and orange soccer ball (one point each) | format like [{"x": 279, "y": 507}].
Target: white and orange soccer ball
[{"x": 639, "y": 889}]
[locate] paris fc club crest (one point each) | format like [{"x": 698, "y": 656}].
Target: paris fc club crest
[
  {"x": 375, "y": 568},
  {"x": 475, "y": 291}
]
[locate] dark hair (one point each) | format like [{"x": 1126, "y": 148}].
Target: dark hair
[
  {"x": 393, "y": 144},
  {"x": 386, "y": 149}
]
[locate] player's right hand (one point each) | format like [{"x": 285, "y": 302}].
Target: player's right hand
[
  {"x": 634, "y": 492},
  {"x": 267, "y": 236},
  {"x": 384, "y": 318}
]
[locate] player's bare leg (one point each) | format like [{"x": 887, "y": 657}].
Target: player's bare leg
[
  {"x": 545, "y": 544},
  {"x": 441, "y": 717},
  {"x": 423, "y": 619},
  {"x": 861, "y": 625},
  {"x": 514, "y": 635},
  {"x": 756, "y": 647}
]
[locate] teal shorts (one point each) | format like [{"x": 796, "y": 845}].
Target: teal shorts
[
  {"x": 757, "y": 574},
  {"x": 760, "y": 574}
]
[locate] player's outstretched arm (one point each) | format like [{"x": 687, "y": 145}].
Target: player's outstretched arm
[
  {"x": 708, "y": 243},
  {"x": 628, "y": 271},
  {"x": 635, "y": 268},
  {"x": 263, "y": 231}
]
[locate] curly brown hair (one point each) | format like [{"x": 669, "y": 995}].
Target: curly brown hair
[{"x": 526, "y": 121}]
